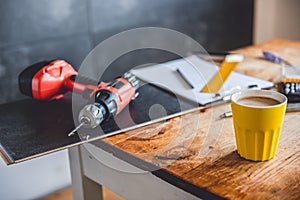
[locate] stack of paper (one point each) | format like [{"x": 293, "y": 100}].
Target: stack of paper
[{"x": 198, "y": 72}]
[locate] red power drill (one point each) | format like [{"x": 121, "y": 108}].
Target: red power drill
[{"x": 52, "y": 80}]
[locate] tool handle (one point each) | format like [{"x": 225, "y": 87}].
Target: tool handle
[{"x": 82, "y": 85}]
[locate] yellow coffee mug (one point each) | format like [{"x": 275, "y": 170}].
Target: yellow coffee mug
[{"x": 257, "y": 117}]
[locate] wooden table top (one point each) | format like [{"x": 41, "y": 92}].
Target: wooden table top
[
  {"x": 195, "y": 152},
  {"x": 200, "y": 149},
  {"x": 206, "y": 156}
]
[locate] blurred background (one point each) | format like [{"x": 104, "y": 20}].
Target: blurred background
[
  {"x": 36, "y": 30},
  {"x": 31, "y": 31}
]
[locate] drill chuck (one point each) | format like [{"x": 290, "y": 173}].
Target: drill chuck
[
  {"x": 109, "y": 101},
  {"x": 92, "y": 115}
]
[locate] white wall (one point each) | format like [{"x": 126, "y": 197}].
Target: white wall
[
  {"x": 34, "y": 178},
  {"x": 276, "y": 19}
]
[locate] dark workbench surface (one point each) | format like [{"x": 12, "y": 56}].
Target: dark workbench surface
[{"x": 30, "y": 128}]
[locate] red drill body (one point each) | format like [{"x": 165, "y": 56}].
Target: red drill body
[{"x": 53, "y": 80}]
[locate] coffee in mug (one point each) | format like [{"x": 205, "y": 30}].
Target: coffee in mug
[
  {"x": 258, "y": 101},
  {"x": 257, "y": 118}
]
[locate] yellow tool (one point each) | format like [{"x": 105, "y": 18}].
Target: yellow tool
[{"x": 220, "y": 77}]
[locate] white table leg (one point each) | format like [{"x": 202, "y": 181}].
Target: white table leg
[
  {"x": 125, "y": 179},
  {"x": 83, "y": 187}
]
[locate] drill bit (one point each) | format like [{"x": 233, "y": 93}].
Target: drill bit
[
  {"x": 76, "y": 128},
  {"x": 225, "y": 115}
]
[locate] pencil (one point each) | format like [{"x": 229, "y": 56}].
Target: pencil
[{"x": 184, "y": 78}]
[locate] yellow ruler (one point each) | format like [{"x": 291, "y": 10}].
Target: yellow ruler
[{"x": 230, "y": 62}]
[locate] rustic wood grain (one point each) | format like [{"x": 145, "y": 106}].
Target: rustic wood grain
[
  {"x": 255, "y": 65},
  {"x": 200, "y": 149},
  {"x": 207, "y": 157}
]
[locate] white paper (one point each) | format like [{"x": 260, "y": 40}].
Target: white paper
[{"x": 199, "y": 72}]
